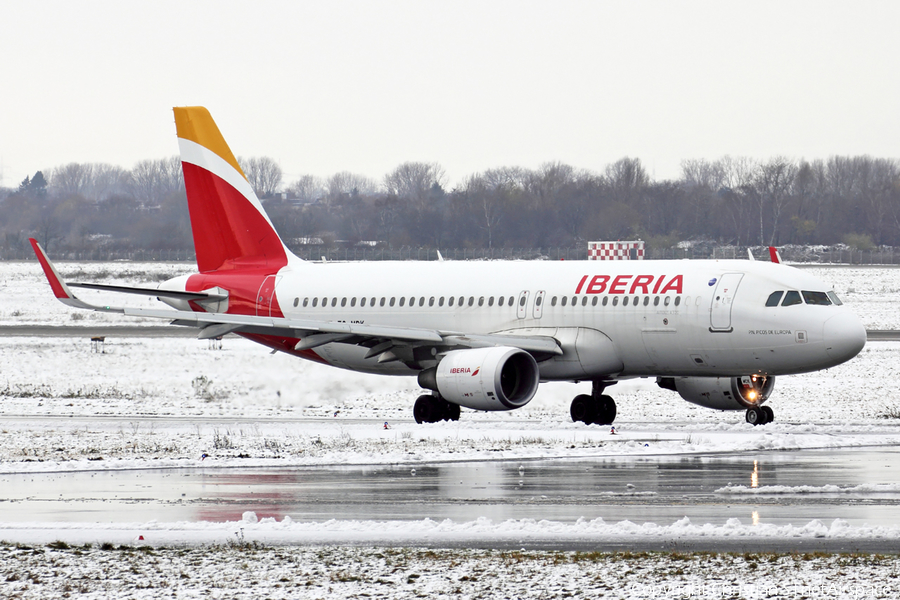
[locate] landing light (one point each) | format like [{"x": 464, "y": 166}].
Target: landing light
[{"x": 751, "y": 396}]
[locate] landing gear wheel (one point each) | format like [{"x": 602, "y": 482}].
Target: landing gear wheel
[
  {"x": 582, "y": 409},
  {"x": 431, "y": 409},
  {"x": 606, "y": 411},
  {"x": 424, "y": 409},
  {"x": 451, "y": 412},
  {"x": 757, "y": 415},
  {"x": 770, "y": 414}
]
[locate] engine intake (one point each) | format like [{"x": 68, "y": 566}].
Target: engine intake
[
  {"x": 721, "y": 393},
  {"x": 499, "y": 378}
]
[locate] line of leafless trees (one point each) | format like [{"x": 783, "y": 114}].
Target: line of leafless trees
[{"x": 733, "y": 200}]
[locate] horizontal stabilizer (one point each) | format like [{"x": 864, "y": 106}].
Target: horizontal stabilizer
[{"x": 159, "y": 293}]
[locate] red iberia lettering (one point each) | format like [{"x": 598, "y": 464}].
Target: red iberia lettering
[
  {"x": 619, "y": 283},
  {"x": 598, "y": 284},
  {"x": 674, "y": 285},
  {"x": 658, "y": 283},
  {"x": 456, "y": 370},
  {"x": 581, "y": 284},
  {"x": 642, "y": 282}
]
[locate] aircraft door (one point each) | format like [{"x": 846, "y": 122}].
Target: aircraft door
[
  {"x": 266, "y": 297},
  {"x": 522, "y": 307},
  {"x": 722, "y": 300},
  {"x": 539, "y": 304}
]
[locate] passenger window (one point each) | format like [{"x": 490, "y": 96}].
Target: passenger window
[
  {"x": 574, "y": 300},
  {"x": 334, "y": 301},
  {"x": 422, "y": 301},
  {"x": 667, "y": 300},
  {"x": 353, "y": 301},
  {"x": 625, "y": 301},
  {"x": 834, "y": 298},
  {"x": 594, "y": 301},
  {"x": 461, "y": 300},
  {"x": 656, "y": 301},
  {"x": 450, "y": 301},
  {"x": 816, "y": 298},
  {"x": 296, "y": 302},
  {"x": 500, "y": 300},
  {"x": 481, "y": 301},
  {"x": 392, "y": 301},
  {"x": 381, "y": 302},
  {"x": 441, "y": 301},
  {"x": 646, "y": 300},
  {"x": 605, "y": 300},
  {"x": 491, "y": 301},
  {"x": 324, "y": 302},
  {"x": 584, "y": 301},
  {"x": 522, "y": 300},
  {"x": 677, "y": 300},
  {"x": 774, "y": 298},
  {"x": 362, "y": 302},
  {"x": 471, "y": 300},
  {"x": 565, "y": 299},
  {"x": 511, "y": 301},
  {"x": 402, "y": 300},
  {"x": 553, "y": 301},
  {"x": 315, "y": 302},
  {"x": 306, "y": 302},
  {"x": 343, "y": 302},
  {"x": 412, "y": 301},
  {"x": 372, "y": 303},
  {"x": 791, "y": 298},
  {"x": 615, "y": 300}
]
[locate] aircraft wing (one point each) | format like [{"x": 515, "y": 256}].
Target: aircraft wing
[{"x": 312, "y": 333}]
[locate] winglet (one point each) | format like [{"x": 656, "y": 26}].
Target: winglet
[
  {"x": 750, "y": 253},
  {"x": 774, "y": 255},
  {"x": 60, "y": 289}
]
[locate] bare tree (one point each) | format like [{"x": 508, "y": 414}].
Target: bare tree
[
  {"x": 263, "y": 173},
  {"x": 154, "y": 180},
  {"x": 414, "y": 181},
  {"x": 345, "y": 184},
  {"x": 308, "y": 189}
]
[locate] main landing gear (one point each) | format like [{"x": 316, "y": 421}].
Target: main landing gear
[
  {"x": 430, "y": 408},
  {"x": 597, "y": 408},
  {"x": 760, "y": 415}
]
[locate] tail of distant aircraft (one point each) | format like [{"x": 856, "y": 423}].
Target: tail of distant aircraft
[{"x": 231, "y": 230}]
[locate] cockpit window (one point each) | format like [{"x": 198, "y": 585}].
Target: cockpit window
[
  {"x": 834, "y": 298},
  {"x": 791, "y": 298},
  {"x": 818, "y": 298},
  {"x": 774, "y": 298}
]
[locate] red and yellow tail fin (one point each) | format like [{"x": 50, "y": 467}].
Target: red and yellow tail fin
[{"x": 231, "y": 230}]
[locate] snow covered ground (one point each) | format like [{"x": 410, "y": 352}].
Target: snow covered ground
[
  {"x": 164, "y": 402},
  {"x": 245, "y": 570}
]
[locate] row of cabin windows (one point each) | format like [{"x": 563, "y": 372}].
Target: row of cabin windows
[
  {"x": 501, "y": 301},
  {"x": 792, "y": 297}
]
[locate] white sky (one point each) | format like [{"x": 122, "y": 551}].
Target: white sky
[{"x": 363, "y": 86}]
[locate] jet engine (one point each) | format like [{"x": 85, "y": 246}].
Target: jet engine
[
  {"x": 498, "y": 378},
  {"x": 721, "y": 393}
]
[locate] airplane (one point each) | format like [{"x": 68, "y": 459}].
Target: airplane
[{"x": 484, "y": 334}]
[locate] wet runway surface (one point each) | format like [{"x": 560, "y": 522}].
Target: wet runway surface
[{"x": 650, "y": 489}]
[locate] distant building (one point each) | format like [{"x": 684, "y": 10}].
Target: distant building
[{"x": 631, "y": 250}]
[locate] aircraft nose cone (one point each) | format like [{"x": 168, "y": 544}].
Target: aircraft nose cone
[{"x": 844, "y": 336}]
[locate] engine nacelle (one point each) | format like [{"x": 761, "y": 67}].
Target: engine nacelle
[
  {"x": 499, "y": 378},
  {"x": 721, "y": 393}
]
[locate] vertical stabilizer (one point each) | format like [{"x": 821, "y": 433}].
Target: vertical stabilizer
[{"x": 231, "y": 230}]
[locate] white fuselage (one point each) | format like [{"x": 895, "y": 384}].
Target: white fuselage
[{"x": 613, "y": 319}]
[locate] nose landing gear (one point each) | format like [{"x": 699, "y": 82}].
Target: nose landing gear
[
  {"x": 597, "y": 408},
  {"x": 760, "y": 415}
]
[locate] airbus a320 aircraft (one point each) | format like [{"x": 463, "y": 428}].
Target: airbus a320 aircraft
[{"x": 483, "y": 335}]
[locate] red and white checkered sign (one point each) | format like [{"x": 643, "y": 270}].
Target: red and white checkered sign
[{"x": 633, "y": 250}]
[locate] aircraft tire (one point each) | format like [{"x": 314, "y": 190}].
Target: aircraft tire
[
  {"x": 424, "y": 409},
  {"x": 606, "y": 411},
  {"x": 756, "y": 416},
  {"x": 451, "y": 411},
  {"x": 581, "y": 409},
  {"x": 770, "y": 414}
]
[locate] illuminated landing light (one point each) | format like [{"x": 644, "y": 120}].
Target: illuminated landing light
[
  {"x": 755, "y": 516},
  {"x": 752, "y": 396},
  {"x": 754, "y": 477}
]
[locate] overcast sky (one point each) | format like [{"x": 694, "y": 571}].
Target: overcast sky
[{"x": 328, "y": 86}]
